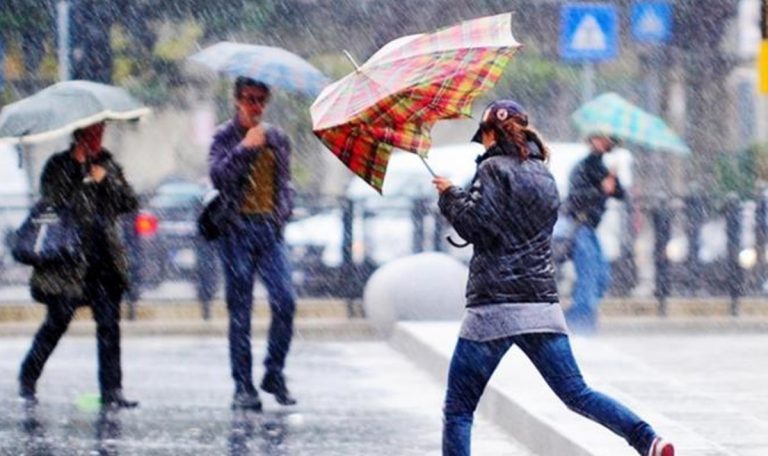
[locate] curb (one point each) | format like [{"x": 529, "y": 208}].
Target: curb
[
  {"x": 178, "y": 310},
  {"x": 681, "y": 306},
  {"x": 633, "y": 325},
  {"x": 320, "y": 329}
]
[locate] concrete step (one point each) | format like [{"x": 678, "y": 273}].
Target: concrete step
[
  {"x": 304, "y": 328},
  {"x": 681, "y": 324},
  {"x": 680, "y": 306},
  {"x": 183, "y": 310}
]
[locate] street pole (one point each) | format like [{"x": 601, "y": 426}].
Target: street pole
[
  {"x": 62, "y": 25},
  {"x": 587, "y": 81},
  {"x": 653, "y": 81},
  {"x": 764, "y": 19}
]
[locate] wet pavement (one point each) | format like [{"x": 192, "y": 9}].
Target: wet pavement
[{"x": 355, "y": 398}]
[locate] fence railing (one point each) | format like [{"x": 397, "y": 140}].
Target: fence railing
[{"x": 691, "y": 246}]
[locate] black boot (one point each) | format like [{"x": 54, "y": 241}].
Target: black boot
[
  {"x": 274, "y": 383},
  {"x": 27, "y": 392},
  {"x": 246, "y": 401},
  {"x": 115, "y": 399}
]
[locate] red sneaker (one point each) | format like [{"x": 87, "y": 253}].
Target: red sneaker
[{"x": 661, "y": 447}]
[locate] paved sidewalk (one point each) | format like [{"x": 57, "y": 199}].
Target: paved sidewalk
[
  {"x": 355, "y": 399},
  {"x": 705, "y": 392}
]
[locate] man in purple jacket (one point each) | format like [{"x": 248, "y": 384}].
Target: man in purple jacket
[{"x": 250, "y": 167}]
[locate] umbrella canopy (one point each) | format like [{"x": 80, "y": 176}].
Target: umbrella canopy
[
  {"x": 64, "y": 107},
  {"x": 612, "y": 115},
  {"x": 271, "y": 65},
  {"x": 394, "y": 98}
]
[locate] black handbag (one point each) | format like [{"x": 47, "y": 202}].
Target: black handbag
[
  {"x": 47, "y": 237},
  {"x": 210, "y": 222}
]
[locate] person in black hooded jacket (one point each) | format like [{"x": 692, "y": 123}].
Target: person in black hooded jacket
[{"x": 508, "y": 215}]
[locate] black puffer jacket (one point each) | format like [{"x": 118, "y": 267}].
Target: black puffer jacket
[
  {"x": 508, "y": 215},
  {"x": 96, "y": 207},
  {"x": 586, "y": 199}
]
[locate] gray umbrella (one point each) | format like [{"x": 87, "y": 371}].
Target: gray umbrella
[{"x": 64, "y": 107}]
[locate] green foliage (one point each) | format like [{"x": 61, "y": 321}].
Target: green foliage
[
  {"x": 533, "y": 79},
  {"x": 742, "y": 172},
  {"x": 20, "y": 16},
  {"x": 759, "y": 153},
  {"x": 333, "y": 65}
]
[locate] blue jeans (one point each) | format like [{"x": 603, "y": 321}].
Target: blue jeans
[
  {"x": 256, "y": 247},
  {"x": 593, "y": 275},
  {"x": 473, "y": 364}
]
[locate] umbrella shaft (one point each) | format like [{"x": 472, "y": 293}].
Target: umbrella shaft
[
  {"x": 427, "y": 165},
  {"x": 352, "y": 59}
]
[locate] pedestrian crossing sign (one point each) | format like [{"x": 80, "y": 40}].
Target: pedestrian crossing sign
[
  {"x": 588, "y": 31},
  {"x": 652, "y": 21}
]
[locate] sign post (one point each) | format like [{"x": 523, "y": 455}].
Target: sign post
[
  {"x": 651, "y": 24},
  {"x": 589, "y": 33},
  {"x": 62, "y": 25},
  {"x": 652, "y": 21}
]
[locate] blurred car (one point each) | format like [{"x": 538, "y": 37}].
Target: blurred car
[
  {"x": 15, "y": 200},
  {"x": 383, "y": 226},
  {"x": 165, "y": 245}
]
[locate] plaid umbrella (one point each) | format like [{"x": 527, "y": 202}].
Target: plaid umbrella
[
  {"x": 394, "y": 98},
  {"x": 612, "y": 115}
]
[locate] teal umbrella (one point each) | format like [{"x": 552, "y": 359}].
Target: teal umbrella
[
  {"x": 64, "y": 107},
  {"x": 612, "y": 115}
]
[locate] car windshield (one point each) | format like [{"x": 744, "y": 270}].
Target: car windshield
[{"x": 176, "y": 194}]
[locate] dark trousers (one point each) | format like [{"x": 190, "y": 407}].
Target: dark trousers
[
  {"x": 257, "y": 248},
  {"x": 473, "y": 364},
  {"x": 104, "y": 301}
]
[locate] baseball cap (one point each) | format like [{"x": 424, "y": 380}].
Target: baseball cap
[{"x": 496, "y": 113}]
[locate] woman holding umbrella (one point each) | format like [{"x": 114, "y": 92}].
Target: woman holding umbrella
[
  {"x": 508, "y": 215},
  {"x": 90, "y": 184}
]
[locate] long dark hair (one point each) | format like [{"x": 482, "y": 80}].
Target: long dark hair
[{"x": 515, "y": 132}]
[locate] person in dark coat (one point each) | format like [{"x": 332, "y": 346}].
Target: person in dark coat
[
  {"x": 590, "y": 186},
  {"x": 508, "y": 215},
  {"x": 87, "y": 180},
  {"x": 250, "y": 167}
]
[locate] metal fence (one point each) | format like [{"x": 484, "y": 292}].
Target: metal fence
[{"x": 691, "y": 246}]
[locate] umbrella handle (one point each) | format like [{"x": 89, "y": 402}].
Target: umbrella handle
[
  {"x": 456, "y": 244},
  {"x": 427, "y": 165}
]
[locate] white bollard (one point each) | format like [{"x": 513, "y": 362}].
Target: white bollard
[{"x": 426, "y": 286}]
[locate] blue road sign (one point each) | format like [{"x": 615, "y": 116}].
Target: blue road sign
[
  {"x": 652, "y": 21},
  {"x": 589, "y": 31}
]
